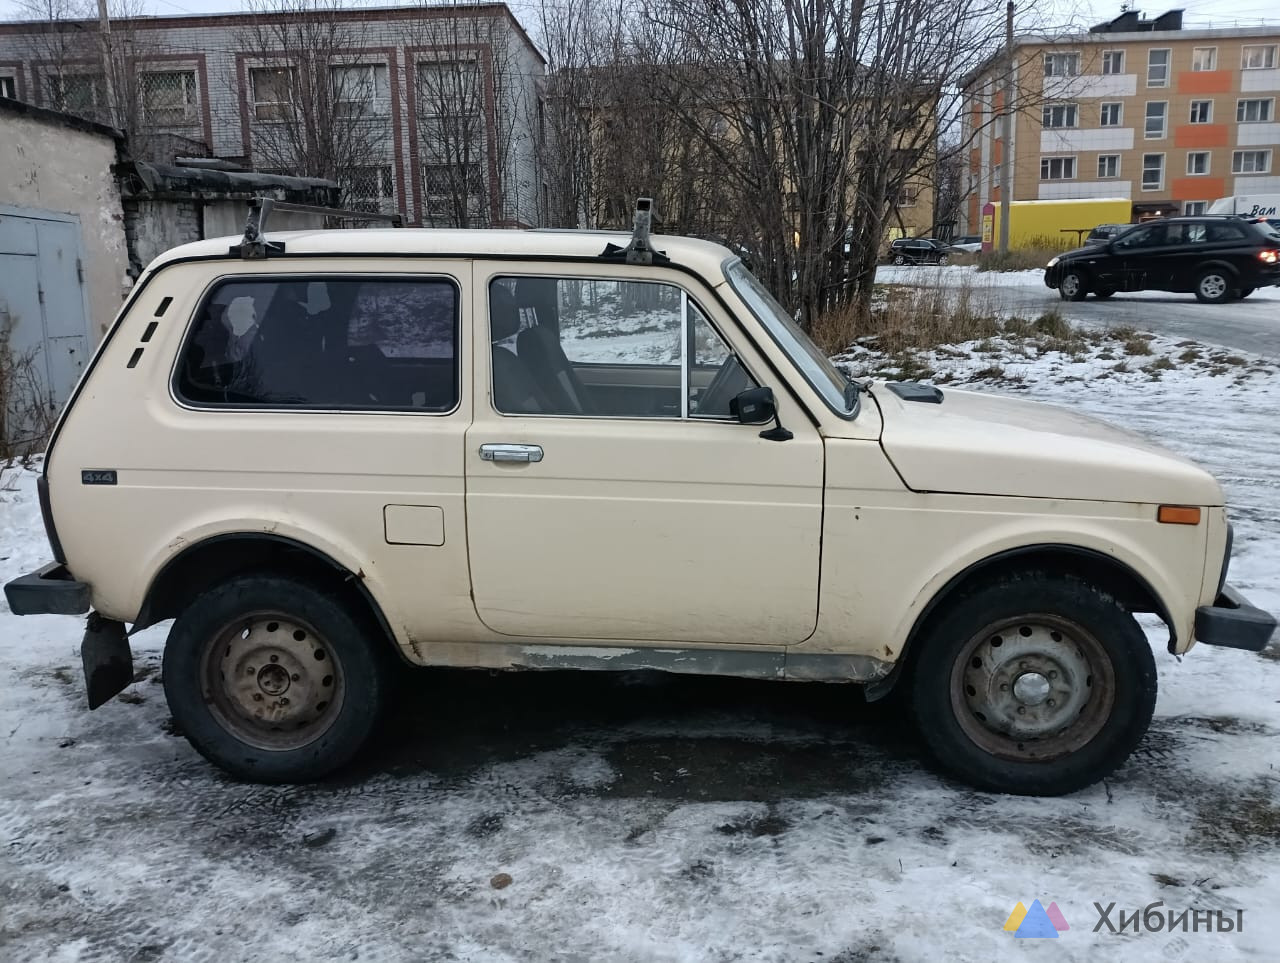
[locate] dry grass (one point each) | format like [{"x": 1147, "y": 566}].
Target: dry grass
[
  {"x": 1021, "y": 259},
  {"x": 27, "y": 413}
]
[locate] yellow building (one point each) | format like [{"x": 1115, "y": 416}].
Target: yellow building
[{"x": 1168, "y": 118}]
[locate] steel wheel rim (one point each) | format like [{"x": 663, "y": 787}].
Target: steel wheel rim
[
  {"x": 1032, "y": 688},
  {"x": 1213, "y": 286},
  {"x": 272, "y": 681},
  {"x": 899, "y": 259},
  {"x": 1070, "y": 285}
]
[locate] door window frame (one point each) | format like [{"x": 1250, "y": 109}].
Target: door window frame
[{"x": 686, "y": 299}]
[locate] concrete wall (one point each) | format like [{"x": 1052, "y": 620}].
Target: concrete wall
[{"x": 48, "y": 166}]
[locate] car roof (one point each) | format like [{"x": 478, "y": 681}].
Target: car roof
[{"x": 705, "y": 257}]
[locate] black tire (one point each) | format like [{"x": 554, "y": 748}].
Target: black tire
[
  {"x": 282, "y": 636},
  {"x": 1073, "y": 286},
  {"x": 943, "y": 259},
  {"x": 1074, "y": 626},
  {"x": 1103, "y": 293},
  {"x": 899, "y": 259},
  {"x": 1213, "y": 286}
]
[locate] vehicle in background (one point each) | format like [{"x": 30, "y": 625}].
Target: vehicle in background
[
  {"x": 1106, "y": 232},
  {"x": 968, "y": 243},
  {"x": 920, "y": 250},
  {"x": 1216, "y": 258}
]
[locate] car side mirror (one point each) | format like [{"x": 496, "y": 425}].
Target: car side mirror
[{"x": 757, "y": 406}]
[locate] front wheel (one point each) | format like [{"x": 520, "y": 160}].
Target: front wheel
[
  {"x": 899, "y": 260},
  {"x": 1073, "y": 286},
  {"x": 1034, "y": 685},
  {"x": 1213, "y": 286},
  {"x": 273, "y": 680}
]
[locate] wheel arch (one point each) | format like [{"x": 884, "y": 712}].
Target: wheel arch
[
  {"x": 1107, "y": 572},
  {"x": 222, "y": 556}
]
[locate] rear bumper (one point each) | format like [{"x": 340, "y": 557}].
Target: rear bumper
[
  {"x": 1232, "y": 622},
  {"x": 47, "y": 591}
]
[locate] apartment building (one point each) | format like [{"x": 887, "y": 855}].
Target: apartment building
[
  {"x": 427, "y": 111},
  {"x": 1168, "y": 118}
]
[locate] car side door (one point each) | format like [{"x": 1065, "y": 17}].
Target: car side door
[
  {"x": 1134, "y": 258},
  {"x": 611, "y": 494}
]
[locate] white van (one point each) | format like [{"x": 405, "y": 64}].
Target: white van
[{"x": 1249, "y": 205}]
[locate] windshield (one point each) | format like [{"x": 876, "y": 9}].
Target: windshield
[{"x": 824, "y": 377}]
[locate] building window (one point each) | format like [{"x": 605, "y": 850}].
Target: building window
[
  {"x": 1253, "y": 111},
  {"x": 995, "y": 175},
  {"x": 1152, "y": 172},
  {"x": 1194, "y": 208},
  {"x": 273, "y": 92},
  {"x": 9, "y": 87},
  {"x": 1258, "y": 57},
  {"x": 908, "y": 196},
  {"x": 1113, "y": 61},
  {"x": 1157, "y": 119},
  {"x": 1108, "y": 165},
  {"x": 1198, "y": 162},
  {"x": 1112, "y": 115},
  {"x": 1061, "y": 64},
  {"x": 319, "y": 342},
  {"x": 1158, "y": 68},
  {"x": 76, "y": 93},
  {"x": 453, "y": 193},
  {"x": 360, "y": 90},
  {"x": 168, "y": 97},
  {"x": 1060, "y": 115},
  {"x": 1251, "y": 162},
  {"x": 1204, "y": 58},
  {"x": 1057, "y": 168},
  {"x": 1202, "y": 111},
  {"x": 369, "y": 189}
]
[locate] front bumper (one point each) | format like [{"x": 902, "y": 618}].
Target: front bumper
[{"x": 1232, "y": 622}]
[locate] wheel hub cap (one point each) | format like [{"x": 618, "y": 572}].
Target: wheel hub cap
[
  {"x": 1213, "y": 286},
  {"x": 1031, "y": 688}
]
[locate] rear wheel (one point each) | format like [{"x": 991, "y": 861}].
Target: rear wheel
[
  {"x": 899, "y": 259},
  {"x": 1103, "y": 293},
  {"x": 1213, "y": 286},
  {"x": 1073, "y": 286},
  {"x": 1036, "y": 685},
  {"x": 273, "y": 680},
  {"x": 943, "y": 258}
]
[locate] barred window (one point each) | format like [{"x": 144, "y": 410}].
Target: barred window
[
  {"x": 454, "y": 192},
  {"x": 369, "y": 189},
  {"x": 76, "y": 93},
  {"x": 168, "y": 97}
]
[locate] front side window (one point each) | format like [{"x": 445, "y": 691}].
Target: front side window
[
  {"x": 325, "y": 343},
  {"x": 1202, "y": 111},
  {"x": 1251, "y": 162},
  {"x": 1157, "y": 117},
  {"x": 1198, "y": 162},
  {"x": 1060, "y": 115},
  {"x": 1111, "y": 115},
  {"x": 1108, "y": 165},
  {"x": 1158, "y": 68},
  {"x": 1258, "y": 57},
  {"x": 1204, "y": 58},
  {"x": 1057, "y": 168},
  {"x": 605, "y": 348},
  {"x": 1255, "y": 111},
  {"x": 1113, "y": 62},
  {"x": 1152, "y": 172},
  {"x": 1140, "y": 237}
]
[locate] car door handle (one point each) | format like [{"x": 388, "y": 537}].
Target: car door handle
[{"x": 510, "y": 453}]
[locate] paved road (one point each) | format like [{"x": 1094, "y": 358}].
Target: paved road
[{"x": 1250, "y": 325}]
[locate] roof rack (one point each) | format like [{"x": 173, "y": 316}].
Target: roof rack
[
  {"x": 640, "y": 249},
  {"x": 254, "y": 247}
]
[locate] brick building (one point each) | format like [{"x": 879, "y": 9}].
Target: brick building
[
  {"x": 432, "y": 112},
  {"x": 1142, "y": 109}
]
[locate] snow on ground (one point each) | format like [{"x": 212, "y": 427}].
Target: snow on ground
[{"x": 647, "y": 817}]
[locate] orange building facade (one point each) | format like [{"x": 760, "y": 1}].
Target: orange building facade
[{"x": 1167, "y": 118}]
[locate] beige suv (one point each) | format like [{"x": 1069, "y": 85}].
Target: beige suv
[{"x": 327, "y": 454}]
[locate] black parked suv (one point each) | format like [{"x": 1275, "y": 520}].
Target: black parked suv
[
  {"x": 1216, "y": 258},
  {"x": 919, "y": 250}
]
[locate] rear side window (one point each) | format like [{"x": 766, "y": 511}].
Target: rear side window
[{"x": 384, "y": 344}]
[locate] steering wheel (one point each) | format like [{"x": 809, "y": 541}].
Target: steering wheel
[{"x": 730, "y": 381}]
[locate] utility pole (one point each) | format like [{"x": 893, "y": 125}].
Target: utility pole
[
  {"x": 1006, "y": 149},
  {"x": 108, "y": 63}
]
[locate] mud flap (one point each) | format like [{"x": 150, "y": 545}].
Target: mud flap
[{"x": 107, "y": 658}]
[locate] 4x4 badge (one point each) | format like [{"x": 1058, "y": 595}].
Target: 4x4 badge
[{"x": 98, "y": 476}]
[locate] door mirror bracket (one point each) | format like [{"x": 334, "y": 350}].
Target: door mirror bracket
[{"x": 757, "y": 406}]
